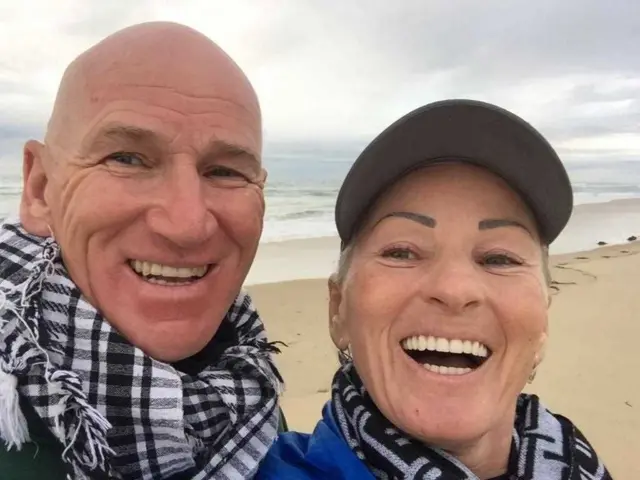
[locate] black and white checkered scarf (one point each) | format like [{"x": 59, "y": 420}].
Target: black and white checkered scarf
[
  {"x": 544, "y": 446},
  {"x": 117, "y": 412}
]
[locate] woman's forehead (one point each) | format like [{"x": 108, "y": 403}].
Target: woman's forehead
[{"x": 449, "y": 188}]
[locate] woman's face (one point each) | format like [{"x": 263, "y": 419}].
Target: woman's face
[{"x": 444, "y": 306}]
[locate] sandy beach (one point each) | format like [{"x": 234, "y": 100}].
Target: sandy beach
[{"x": 590, "y": 373}]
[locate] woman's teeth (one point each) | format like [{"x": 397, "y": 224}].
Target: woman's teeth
[
  {"x": 445, "y": 345},
  {"x": 443, "y": 370},
  {"x": 446, "y": 356},
  {"x": 166, "y": 275}
]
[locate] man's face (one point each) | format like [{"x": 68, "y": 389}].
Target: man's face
[{"x": 154, "y": 195}]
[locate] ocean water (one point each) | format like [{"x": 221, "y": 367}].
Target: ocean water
[{"x": 302, "y": 189}]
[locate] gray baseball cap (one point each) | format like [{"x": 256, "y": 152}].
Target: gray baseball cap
[{"x": 460, "y": 130}]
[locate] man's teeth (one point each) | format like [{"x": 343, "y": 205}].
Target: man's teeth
[
  {"x": 444, "y": 370},
  {"x": 162, "y": 273},
  {"x": 439, "y": 344}
]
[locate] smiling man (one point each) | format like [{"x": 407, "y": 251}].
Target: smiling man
[{"x": 127, "y": 349}]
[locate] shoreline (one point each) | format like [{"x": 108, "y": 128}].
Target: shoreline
[
  {"x": 612, "y": 222},
  {"x": 555, "y": 260}
]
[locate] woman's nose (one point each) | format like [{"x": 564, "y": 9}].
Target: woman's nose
[{"x": 453, "y": 285}]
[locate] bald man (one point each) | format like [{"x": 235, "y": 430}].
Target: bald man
[{"x": 127, "y": 348}]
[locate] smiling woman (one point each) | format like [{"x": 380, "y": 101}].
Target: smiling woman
[{"x": 439, "y": 308}]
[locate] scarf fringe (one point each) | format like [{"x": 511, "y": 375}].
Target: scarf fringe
[
  {"x": 80, "y": 427},
  {"x": 13, "y": 424}
]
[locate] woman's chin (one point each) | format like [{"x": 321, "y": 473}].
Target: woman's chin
[{"x": 444, "y": 423}]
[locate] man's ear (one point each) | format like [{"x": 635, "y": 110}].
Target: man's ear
[
  {"x": 262, "y": 178},
  {"x": 35, "y": 215},
  {"x": 337, "y": 324}
]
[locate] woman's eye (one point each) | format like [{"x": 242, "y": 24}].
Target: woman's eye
[
  {"x": 398, "y": 253},
  {"x": 500, "y": 260},
  {"x": 124, "y": 158}
]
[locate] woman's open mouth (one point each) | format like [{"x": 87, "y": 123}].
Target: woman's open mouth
[
  {"x": 446, "y": 356},
  {"x": 166, "y": 275}
]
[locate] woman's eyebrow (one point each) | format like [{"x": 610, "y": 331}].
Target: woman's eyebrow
[
  {"x": 500, "y": 223},
  {"x": 425, "y": 220}
]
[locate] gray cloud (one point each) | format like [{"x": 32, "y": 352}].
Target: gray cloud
[
  {"x": 499, "y": 39},
  {"x": 12, "y": 139},
  {"x": 385, "y": 57},
  {"x": 573, "y": 123}
]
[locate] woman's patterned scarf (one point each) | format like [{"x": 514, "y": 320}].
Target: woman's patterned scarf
[
  {"x": 117, "y": 412},
  {"x": 544, "y": 446}
]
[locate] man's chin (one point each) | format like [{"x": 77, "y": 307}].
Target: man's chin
[
  {"x": 169, "y": 341},
  {"x": 168, "y": 322}
]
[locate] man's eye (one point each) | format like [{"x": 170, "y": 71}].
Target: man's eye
[
  {"x": 124, "y": 158},
  {"x": 225, "y": 177},
  {"x": 224, "y": 172}
]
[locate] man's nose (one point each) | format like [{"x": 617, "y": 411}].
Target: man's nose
[
  {"x": 453, "y": 284},
  {"x": 181, "y": 212}
]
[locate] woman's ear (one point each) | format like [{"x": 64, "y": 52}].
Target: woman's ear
[
  {"x": 337, "y": 325},
  {"x": 542, "y": 347}
]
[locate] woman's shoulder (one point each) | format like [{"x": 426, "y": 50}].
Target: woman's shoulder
[{"x": 318, "y": 455}]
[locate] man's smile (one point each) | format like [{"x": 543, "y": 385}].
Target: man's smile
[{"x": 168, "y": 275}]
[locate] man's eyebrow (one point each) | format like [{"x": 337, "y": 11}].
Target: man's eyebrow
[
  {"x": 120, "y": 132},
  {"x": 499, "y": 223},
  {"x": 131, "y": 133},
  {"x": 425, "y": 220},
  {"x": 221, "y": 148}
]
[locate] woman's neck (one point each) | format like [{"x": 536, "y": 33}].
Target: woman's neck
[{"x": 487, "y": 457}]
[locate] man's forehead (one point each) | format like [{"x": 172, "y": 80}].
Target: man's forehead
[
  {"x": 155, "y": 114},
  {"x": 115, "y": 133},
  {"x": 143, "y": 67}
]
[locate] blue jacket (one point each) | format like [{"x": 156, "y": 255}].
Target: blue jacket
[{"x": 317, "y": 456}]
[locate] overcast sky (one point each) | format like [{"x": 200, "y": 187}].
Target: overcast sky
[{"x": 335, "y": 72}]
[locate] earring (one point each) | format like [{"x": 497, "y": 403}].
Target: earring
[
  {"x": 532, "y": 375},
  {"x": 344, "y": 355}
]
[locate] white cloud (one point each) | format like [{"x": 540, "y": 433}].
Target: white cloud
[{"x": 626, "y": 143}]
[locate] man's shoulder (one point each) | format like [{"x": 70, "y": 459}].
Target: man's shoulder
[
  {"x": 17, "y": 249},
  {"x": 40, "y": 458},
  {"x": 318, "y": 455}
]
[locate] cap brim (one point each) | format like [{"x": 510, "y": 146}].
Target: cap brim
[{"x": 462, "y": 130}]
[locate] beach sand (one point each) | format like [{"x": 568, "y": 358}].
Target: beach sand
[{"x": 591, "y": 373}]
